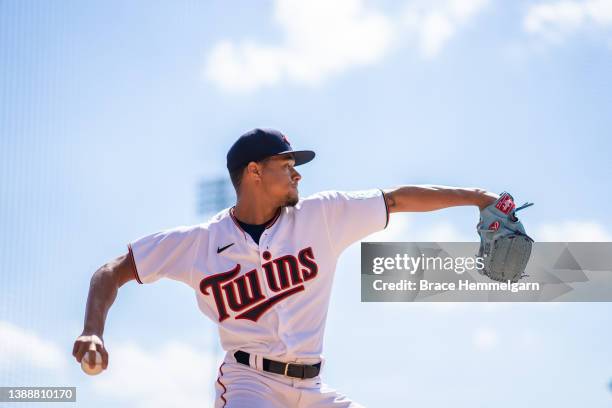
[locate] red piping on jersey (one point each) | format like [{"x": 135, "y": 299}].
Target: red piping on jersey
[
  {"x": 131, "y": 254},
  {"x": 386, "y": 207},
  {"x": 268, "y": 225},
  {"x": 221, "y": 384},
  {"x": 278, "y": 212},
  {"x": 231, "y": 213}
]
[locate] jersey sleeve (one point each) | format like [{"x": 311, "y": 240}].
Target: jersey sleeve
[
  {"x": 170, "y": 253},
  {"x": 353, "y": 215}
]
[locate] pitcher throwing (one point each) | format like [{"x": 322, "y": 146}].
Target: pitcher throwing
[{"x": 263, "y": 270}]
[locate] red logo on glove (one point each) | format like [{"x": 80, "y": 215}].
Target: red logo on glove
[
  {"x": 494, "y": 226},
  {"x": 505, "y": 204}
]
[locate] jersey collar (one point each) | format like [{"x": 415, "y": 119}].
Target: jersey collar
[{"x": 268, "y": 225}]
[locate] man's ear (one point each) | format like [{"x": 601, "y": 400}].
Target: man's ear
[{"x": 254, "y": 169}]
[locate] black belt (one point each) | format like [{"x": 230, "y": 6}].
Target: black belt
[{"x": 289, "y": 369}]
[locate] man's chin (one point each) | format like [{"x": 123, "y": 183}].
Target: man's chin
[{"x": 292, "y": 201}]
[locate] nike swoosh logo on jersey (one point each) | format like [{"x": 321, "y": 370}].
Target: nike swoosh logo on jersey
[{"x": 219, "y": 250}]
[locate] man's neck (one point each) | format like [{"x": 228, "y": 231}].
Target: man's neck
[{"x": 250, "y": 211}]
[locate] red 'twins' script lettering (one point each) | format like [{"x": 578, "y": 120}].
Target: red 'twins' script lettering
[{"x": 284, "y": 276}]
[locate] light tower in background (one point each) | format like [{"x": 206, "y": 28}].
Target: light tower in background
[{"x": 214, "y": 194}]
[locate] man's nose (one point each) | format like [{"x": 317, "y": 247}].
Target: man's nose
[{"x": 296, "y": 176}]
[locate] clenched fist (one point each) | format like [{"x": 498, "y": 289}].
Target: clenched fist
[{"x": 90, "y": 344}]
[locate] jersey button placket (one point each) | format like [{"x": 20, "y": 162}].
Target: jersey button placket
[
  {"x": 263, "y": 242},
  {"x": 265, "y": 256}
]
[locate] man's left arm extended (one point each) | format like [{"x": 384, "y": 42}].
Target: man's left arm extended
[{"x": 426, "y": 197}]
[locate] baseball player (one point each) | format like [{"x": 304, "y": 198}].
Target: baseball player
[{"x": 263, "y": 269}]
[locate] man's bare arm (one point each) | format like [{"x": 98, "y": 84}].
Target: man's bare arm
[
  {"x": 103, "y": 288},
  {"x": 427, "y": 197}
]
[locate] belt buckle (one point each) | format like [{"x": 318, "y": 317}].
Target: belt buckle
[
  {"x": 286, "y": 369},
  {"x": 294, "y": 376}
]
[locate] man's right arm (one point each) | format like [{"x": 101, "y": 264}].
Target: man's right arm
[{"x": 103, "y": 289}]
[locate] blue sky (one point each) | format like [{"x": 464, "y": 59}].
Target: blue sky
[{"x": 111, "y": 113}]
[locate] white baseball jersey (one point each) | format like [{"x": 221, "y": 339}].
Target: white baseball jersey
[{"x": 269, "y": 298}]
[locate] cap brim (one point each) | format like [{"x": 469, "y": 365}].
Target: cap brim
[{"x": 300, "y": 156}]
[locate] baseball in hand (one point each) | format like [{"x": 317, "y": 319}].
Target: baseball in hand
[{"x": 97, "y": 369}]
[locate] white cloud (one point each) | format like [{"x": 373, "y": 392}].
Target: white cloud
[
  {"x": 572, "y": 231},
  {"x": 321, "y": 38},
  {"x": 554, "y": 20},
  {"x": 19, "y": 346},
  {"x": 444, "y": 232},
  {"x": 485, "y": 339},
  {"x": 396, "y": 231},
  {"x": 401, "y": 229},
  {"x": 173, "y": 375},
  {"x": 435, "y": 23},
  {"x": 324, "y": 38}
]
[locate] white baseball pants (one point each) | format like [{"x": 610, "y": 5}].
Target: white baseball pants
[{"x": 240, "y": 386}]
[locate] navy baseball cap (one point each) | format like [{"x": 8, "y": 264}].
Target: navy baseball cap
[{"x": 259, "y": 144}]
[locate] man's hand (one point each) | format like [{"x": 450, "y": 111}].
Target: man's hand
[
  {"x": 486, "y": 199},
  {"x": 89, "y": 344},
  {"x": 103, "y": 289}
]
